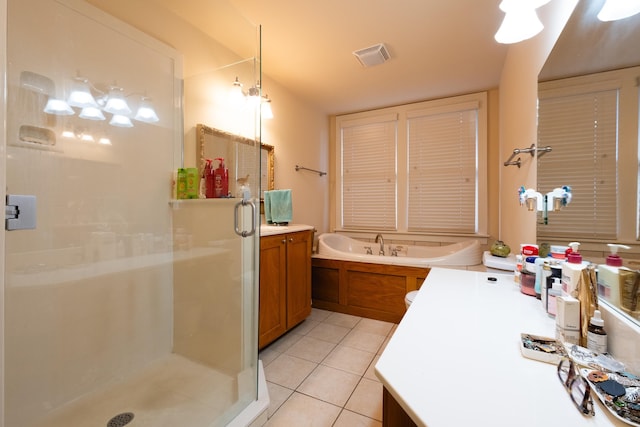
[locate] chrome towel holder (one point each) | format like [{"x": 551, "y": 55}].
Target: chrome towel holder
[
  {"x": 312, "y": 170},
  {"x": 531, "y": 150}
]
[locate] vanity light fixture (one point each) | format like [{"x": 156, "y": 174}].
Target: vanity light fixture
[
  {"x": 145, "y": 112},
  {"x": 81, "y": 96},
  {"x": 618, "y": 9},
  {"x": 91, "y": 113},
  {"x": 116, "y": 103},
  {"x": 520, "y": 22},
  {"x": 58, "y": 107},
  {"x": 267, "y": 112},
  {"x": 121, "y": 121},
  {"x": 236, "y": 95}
]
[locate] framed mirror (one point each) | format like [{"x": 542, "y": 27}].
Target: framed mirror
[{"x": 240, "y": 157}]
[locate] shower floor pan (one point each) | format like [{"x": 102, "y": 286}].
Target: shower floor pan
[{"x": 173, "y": 391}]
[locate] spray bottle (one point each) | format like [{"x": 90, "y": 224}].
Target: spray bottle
[
  {"x": 221, "y": 179},
  {"x": 609, "y": 275}
]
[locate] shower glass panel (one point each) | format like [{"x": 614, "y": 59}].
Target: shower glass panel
[{"x": 122, "y": 304}]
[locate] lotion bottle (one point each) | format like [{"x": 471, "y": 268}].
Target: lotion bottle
[
  {"x": 596, "y": 335},
  {"x": 571, "y": 271},
  {"x": 609, "y": 275}
]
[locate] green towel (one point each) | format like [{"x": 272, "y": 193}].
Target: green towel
[{"x": 277, "y": 206}]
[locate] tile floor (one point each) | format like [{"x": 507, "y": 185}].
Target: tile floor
[{"x": 321, "y": 373}]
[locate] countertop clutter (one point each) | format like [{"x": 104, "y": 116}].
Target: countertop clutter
[{"x": 455, "y": 358}]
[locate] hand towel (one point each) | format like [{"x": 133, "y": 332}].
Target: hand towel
[{"x": 278, "y": 208}]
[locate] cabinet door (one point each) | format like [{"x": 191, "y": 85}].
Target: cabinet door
[
  {"x": 298, "y": 277},
  {"x": 273, "y": 289}
]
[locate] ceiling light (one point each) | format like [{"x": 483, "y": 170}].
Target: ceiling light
[
  {"x": 146, "y": 113},
  {"x": 121, "y": 121},
  {"x": 520, "y": 22},
  {"x": 618, "y": 9},
  {"x": 81, "y": 96},
  {"x": 116, "y": 103}
]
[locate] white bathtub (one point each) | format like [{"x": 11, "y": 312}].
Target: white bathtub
[{"x": 332, "y": 245}]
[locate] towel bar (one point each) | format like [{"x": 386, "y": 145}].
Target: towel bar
[{"x": 307, "y": 169}]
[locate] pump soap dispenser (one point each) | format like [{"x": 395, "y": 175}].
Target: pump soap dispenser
[
  {"x": 609, "y": 275},
  {"x": 571, "y": 271}
]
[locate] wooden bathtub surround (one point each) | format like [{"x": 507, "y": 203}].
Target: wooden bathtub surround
[
  {"x": 285, "y": 283},
  {"x": 375, "y": 291}
]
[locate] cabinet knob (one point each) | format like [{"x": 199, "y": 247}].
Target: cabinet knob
[
  {"x": 291, "y": 239},
  {"x": 284, "y": 240}
]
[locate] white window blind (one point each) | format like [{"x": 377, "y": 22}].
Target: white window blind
[
  {"x": 369, "y": 174},
  {"x": 582, "y": 130},
  {"x": 442, "y": 176}
]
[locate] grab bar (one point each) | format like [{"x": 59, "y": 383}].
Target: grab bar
[{"x": 531, "y": 150}]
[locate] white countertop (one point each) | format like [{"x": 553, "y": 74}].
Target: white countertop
[
  {"x": 455, "y": 360},
  {"x": 270, "y": 230}
]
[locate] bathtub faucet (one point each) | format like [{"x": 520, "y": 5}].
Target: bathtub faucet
[{"x": 381, "y": 240}]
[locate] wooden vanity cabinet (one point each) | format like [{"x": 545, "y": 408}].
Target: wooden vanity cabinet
[{"x": 285, "y": 283}]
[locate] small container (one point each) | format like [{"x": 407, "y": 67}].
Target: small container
[
  {"x": 552, "y": 294},
  {"x": 558, "y": 252},
  {"x": 528, "y": 249},
  {"x": 596, "y": 335},
  {"x": 528, "y": 283}
]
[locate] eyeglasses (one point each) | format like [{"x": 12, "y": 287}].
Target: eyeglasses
[{"x": 577, "y": 387}]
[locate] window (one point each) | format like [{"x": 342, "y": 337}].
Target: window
[
  {"x": 416, "y": 168},
  {"x": 581, "y": 127}
]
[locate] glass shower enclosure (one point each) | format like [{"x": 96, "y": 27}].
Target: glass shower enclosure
[{"x": 121, "y": 304}]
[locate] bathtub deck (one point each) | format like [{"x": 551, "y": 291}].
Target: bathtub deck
[{"x": 375, "y": 291}]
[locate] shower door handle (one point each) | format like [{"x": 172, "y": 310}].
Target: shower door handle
[
  {"x": 20, "y": 212},
  {"x": 239, "y": 209}
]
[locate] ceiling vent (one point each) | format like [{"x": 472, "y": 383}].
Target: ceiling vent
[{"x": 373, "y": 55}]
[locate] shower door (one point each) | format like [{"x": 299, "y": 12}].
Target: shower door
[{"x": 120, "y": 304}]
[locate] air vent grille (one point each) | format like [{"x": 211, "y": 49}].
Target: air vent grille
[{"x": 373, "y": 55}]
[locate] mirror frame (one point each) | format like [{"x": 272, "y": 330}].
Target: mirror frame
[{"x": 202, "y": 131}]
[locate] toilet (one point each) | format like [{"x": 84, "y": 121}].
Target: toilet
[{"x": 408, "y": 299}]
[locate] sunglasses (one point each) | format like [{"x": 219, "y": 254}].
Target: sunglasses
[{"x": 577, "y": 387}]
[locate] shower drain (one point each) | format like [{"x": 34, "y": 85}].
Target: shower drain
[{"x": 120, "y": 420}]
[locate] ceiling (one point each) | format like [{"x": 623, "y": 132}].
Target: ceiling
[{"x": 438, "y": 48}]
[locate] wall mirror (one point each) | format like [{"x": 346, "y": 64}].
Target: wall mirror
[
  {"x": 590, "y": 52},
  {"x": 240, "y": 157}
]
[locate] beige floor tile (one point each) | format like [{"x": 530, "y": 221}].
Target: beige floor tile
[
  {"x": 306, "y": 326},
  {"x": 277, "y": 396},
  {"x": 328, "y": 332},
  {"x": 367, "y": 399},
  {"x": 283, "y": 343},
  {"x": 363, "y": 340},
  {"x": 288, "y": 371},
  {"x": 344, "y": 320},
  {"x": 351, "y": 419},
  {"x": 304, "y": 411},
  {"x": 349, "y": 359},
  {"x": 268, "y": 355},
  {"x": 311, "y": 349},
  {"x": 330, "y": 385},
  {"x": 371, "y": 374},
  {"x": 319, "y": 315},
  {"x": 374, "y": 326}
]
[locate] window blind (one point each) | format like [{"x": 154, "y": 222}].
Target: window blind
[
  {"x": 582, "y": 130},
  {"x": 442, "y": 176},
  {"x": 369, "y": 174}
]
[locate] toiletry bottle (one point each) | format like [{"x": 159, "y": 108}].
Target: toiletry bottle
[
  {"x": 609, "y": 275},
  {"x": 552, "y": 294},
  {"x": 597, "y": 336},
  {"x": 208, "y": 179},
  {"x": 571, "y": 271},
  {"x": 181, "y": 187},
  {"x": 221, "y": 179}
]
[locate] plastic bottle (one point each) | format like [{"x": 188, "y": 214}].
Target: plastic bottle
[
  {"x": 221, "y": 179},
  {"x": 208, "y": 179},
  {"x": 181, "y": 184},
  {"x": 571, "y": 271},
  {"x": 552, "y": 294},
  {"x": 609, "y": 275},
  {"x": 596, "y": 335}
]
